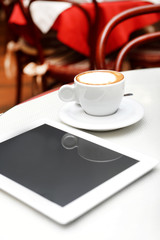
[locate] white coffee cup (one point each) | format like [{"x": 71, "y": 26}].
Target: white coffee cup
[{"x": 99, "y": 92}]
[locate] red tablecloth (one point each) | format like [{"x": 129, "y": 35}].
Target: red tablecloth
[{"x": 72, "y": 28}]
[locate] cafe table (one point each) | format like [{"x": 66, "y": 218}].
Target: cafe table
[
  {"x": 71, "y": 25},
  {"x": 134, "y": 212}
]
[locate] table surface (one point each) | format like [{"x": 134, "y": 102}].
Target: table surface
[{"x": 134, "y": 212}]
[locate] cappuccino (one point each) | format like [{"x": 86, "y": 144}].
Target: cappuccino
[
  {"x": 99, "y": 92},
  {"x": 101, "y": 77}
]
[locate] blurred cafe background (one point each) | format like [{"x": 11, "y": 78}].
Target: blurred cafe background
[{"x": 44, "y": 44}]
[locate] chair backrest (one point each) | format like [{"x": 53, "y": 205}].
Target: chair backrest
[
  {"x": 140, "y": 40},
  {"x": 92, "y": 26},
  {"x": 127, "y": 14}
]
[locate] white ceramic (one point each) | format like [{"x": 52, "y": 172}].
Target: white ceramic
[
  {"x": 128, "y": 113},
  {"x": 95, "y": 99}
]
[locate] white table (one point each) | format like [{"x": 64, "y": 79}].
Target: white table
[{"x": 133, "y": 213}]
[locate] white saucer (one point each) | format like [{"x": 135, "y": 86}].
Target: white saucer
[{"x": 129, "y": 113}]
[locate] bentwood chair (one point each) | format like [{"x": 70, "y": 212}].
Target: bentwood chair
[
  {"x": 148, "y": 60},
  {"x": 51, "y": 62},
  {"x": 136, "y": 42},
  {"x": 65, "y": 70}
]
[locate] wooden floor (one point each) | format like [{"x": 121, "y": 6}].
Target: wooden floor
[{"x": 8, "y": 86}]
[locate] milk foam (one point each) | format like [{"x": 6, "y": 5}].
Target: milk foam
[{"x": 97, "y": 78}]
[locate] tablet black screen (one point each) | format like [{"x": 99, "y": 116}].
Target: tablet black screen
[{"x": 57, "y": 165}]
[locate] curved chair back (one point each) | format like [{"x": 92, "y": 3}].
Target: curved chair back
[
  {"x": 103, "y": 38},
  {"x": 146, "y": 38}
]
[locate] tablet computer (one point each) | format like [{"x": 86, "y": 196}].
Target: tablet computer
[{"x": 63, "y": 172}]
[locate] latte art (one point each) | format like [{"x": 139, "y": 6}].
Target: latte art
[{"x": 99, "y": 77}]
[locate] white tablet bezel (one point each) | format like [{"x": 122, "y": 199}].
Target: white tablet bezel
[{"x": 76, "y": 208}]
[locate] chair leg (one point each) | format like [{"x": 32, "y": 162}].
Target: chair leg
[
  {"x": 19, "y": 88},
  {"x": 19, "y": 80}
]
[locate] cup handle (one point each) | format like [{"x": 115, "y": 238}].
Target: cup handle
[{"x": 66, "y": 93}]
